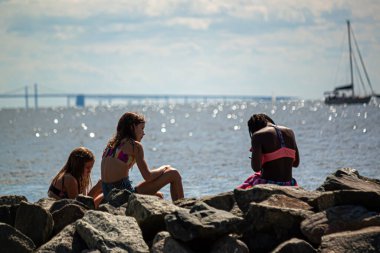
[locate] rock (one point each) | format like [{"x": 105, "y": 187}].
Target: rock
[
  {"x": 68, "y": 240},
  {"x": 282, "y": 219},
  {"x": 223, "y": 201},
  {"x": 12, "y": 199},
  {"x": 260, "y": 241},
  {"x": 164, "y": 243},
  {"x": 366, "y": 240},
  {"x": 12, "y": 240},
  {"x": 34, "y": 221},
  {"x": 349, "y": 179},
  {"x": 228, "y": 244},
  {"x": 149, "y": 212},
  {"x": 87, "y": 201},
  {"x": 66, "y": 215},
  {"x": 117, "y": 197},
  {"x": 8, "y": 213},
  {"x": 337, "y": 219},
  {"x": 59, "y": 204},
  {"x": 46, "y": 203},
  {"x": 259, "y": 193},
  {"x": 107, "y": 232},
  {"x": 294, "y": 245},
  {"x": 111, "y": 209},
  {"x": 202, "y": 222}
]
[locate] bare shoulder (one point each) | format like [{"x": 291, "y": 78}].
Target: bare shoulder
[{"x": 70, "y": 180}]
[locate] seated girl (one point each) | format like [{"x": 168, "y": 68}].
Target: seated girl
[
  {"x": 74, "y": 178},
  {"x": 124, "y": 150},
  {"x": 274, "y": 153}
]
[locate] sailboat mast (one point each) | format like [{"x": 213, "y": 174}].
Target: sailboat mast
[{"x": 350, "y": 48}]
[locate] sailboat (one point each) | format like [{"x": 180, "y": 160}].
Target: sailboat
[{"x": 345, "y": 94}]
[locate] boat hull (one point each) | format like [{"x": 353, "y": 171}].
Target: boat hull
[{"x": 347, "y": 100}]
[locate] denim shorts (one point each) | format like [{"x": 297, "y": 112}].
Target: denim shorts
[{"x": 122, "y": 184}]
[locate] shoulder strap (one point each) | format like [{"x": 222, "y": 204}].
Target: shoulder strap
[{"x": 280, "y": 137}]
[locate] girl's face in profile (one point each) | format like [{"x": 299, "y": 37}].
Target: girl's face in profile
[
  {"x": 139, "y": 131},
  {"x": 87, "y": 168}
]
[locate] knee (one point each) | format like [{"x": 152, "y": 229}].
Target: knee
[{"x": 174, "y": 174}]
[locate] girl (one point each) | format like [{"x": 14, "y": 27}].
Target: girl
[
  {"x": 123, "y": 151},
  {"x": 274, "y": 153},
  {"x": 74, "y": 178}
]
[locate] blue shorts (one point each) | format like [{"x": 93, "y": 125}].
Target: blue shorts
[{"x": 122, "y": 184}]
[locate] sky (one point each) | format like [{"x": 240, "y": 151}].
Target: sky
[{"x": 224, "y": 47}]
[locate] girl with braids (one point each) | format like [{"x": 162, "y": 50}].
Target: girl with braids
[
  {"x": 74, "y": 178},
  {"x": 123, "y": 151},
  {"x": 274, "y": 153}
]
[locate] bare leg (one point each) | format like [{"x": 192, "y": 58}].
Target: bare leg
[{"x": 170, "y": 176}]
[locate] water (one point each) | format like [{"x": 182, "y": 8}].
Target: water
[{"x": 207, "y": 142}]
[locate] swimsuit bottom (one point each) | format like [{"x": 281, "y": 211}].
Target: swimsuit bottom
[
  {"x": 256, "y": 179},
  {"x": 122, "y": 184}
]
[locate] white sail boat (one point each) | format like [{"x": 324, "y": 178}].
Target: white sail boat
[{"x": 346, "y": 94}]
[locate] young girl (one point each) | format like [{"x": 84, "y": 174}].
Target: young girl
[
  {"x": 123, "y": 151},
  {"x": 74, "y": 178},
  {"x": 274, "y": 153}
]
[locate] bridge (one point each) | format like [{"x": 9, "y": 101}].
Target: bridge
[{"x": 81, "y": 98}]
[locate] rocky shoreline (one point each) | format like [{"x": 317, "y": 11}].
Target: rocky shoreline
[{"x": 342, "y": 215}]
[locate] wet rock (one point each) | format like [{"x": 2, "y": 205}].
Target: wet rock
[
  {"x": 366, "y": 240},
  {"x": 202, "y": 222},
  {"x": 229, "y": 244},
  {"x": 149, "y": 212},
  {"x": 337, "y": 219},
  {"x": 294, "y": 245},
  {"x": 66, "y": 215},
  {"x": 12, "y": 240},
  {"x": 12, "y": 199},
  {"x": 34, "y": 221},
  {"x": 164, "y": 243},
  {"x": 67, "y": 241},
  {"x": 107, "y": 232}
]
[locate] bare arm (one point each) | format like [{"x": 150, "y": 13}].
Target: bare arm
[
  {"x": 147, "y": 174},
  {"x": 296, "y": 161},
  {"x": 71, "y": 186},
  {"x": 96, "y": 189},
  {"x": 256, "y": 153}
]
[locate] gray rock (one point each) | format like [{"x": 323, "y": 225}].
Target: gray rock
[
  {"x": 338, "y": 219},
  {"x": 261, "y": 192},
  {"x": 12, "y": 240},
  {"x": 34, "y": 221},
  {"x": 87, "y": 201},
  {"x": 366, "y": 240},
  {"x": 203, "y": 222},
  {"x": 12, "y": 199},
  {"x": 164, "y": 243},
  {"x": 283, "y": 221},
  {"x": 46, "y": 203},
  {"x": 111, "y": 209},
  {"x": 8, "y": 213},
  {"x": 111, "y": 233},
  {"x": 67, "y": 241},
  {"x": 117, "y": 197},
  {"x": 349, "y": 179},
  {"x": 294, "y": 245},
  {"x": 228, "y": 244},
  {"x": 66, "y": 215},
  {"x": 63, "y": 202},
  {"x": 149, "y": 212}
]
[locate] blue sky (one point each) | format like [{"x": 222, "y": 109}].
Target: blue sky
[{"x": 239, "y": 47}]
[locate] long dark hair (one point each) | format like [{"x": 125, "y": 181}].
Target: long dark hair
[
  {"x": 126, "y": 128},
  {"x": 257, "y": 122},
  {"x": 75, "y": 166}
]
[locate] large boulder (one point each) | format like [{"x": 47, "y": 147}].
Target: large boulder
[
  {"x": 8, "y": 213},
  {"x": 111, "y": 209},
  {"x": 12, "y": 199},
  {"x": 67, "y": 241},
  {"x": 111, "y": 233},
  {"x": 366, "y": 240},
  {"x": 164, "y": 243},
  {"x": 149, "y": 212},
  {"x": 202, "y": 222},
  {"x": 229, "y": 244},
  {"x": 12, "y": 240},
  {"x": 117, "y": 197},
  {"x": 59, "y": 204},
  {"x": 223, "y": 201},
  {"x": 66, "y": 215},
  {"x": 46, "y": 203},
  {"x": 337, "y": 219},
  {"x": 349, "y": 179},
  {"x": 34, "y": 221},
  {"x": 294, "y": 245},
  {"x": 87, "y": 201}
]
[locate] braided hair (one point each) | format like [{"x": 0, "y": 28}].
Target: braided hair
[{"x": 257, "y": 122}]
